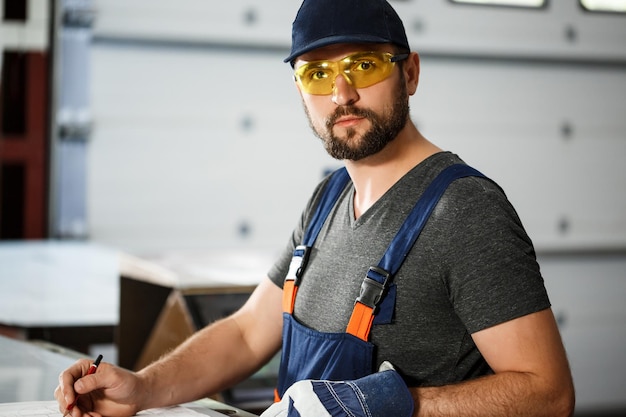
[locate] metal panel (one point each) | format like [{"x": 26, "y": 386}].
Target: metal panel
[{"x": 562, "y": 30}]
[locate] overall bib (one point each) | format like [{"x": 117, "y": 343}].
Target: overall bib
[{"x": 310, "y": 354}]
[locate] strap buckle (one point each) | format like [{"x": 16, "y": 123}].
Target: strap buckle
[
  {"x": 373, "y": 286},
  {"x": 298, "y": 263}
]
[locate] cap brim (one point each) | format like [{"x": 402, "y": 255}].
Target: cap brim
[{"x": 332, "y": 40}]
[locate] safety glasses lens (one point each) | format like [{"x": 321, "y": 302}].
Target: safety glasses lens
[{"x": 360, "y": 70}]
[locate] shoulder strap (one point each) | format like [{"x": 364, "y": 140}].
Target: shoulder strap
[
  {"x": 410, "y": 230},
  {"x": 378, "y": 279},
  {"x": 332, "y": 190}
]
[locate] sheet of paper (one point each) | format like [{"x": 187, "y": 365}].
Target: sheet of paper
[
  {"x": 31, "y": 408},
  {"x": 51, "y": 409}
]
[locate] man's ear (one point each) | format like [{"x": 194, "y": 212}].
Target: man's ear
[
  {"x": 295, "y": 82},
  {"x": 411, "y": 69}
]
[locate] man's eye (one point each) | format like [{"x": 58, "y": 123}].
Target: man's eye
[
  {"x": 317, "y": 75},
  {"x": 364, "y": 66}
]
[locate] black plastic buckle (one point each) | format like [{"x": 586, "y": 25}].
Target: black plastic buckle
[
  {"x": 372, "y": 290},
  {"x": 306, "y": 252}
]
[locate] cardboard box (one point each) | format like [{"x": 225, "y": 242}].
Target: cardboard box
[{"x": 165, "y": 298}]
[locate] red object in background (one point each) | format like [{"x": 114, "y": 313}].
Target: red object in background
[{"x": 24, "y": 146}]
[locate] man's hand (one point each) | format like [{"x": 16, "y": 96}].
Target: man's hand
[
  {"x": 382, "y": 394},
  {"x": 108, "y": 392}
]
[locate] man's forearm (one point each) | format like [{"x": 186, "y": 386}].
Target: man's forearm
[
  {"x": 507, "y": 394},
  {"x": 219, "y": 355},
  {"x": 203, "y": 365}
]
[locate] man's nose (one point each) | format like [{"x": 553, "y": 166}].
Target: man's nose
[{"x": 344, "y": 92}]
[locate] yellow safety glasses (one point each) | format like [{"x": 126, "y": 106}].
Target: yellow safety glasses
[{"x": 361, "y": 70}]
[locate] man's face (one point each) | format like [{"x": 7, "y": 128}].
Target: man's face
[{"x": 355, "y": 123}]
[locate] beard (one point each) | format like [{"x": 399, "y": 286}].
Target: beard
[{"x": 384, "y": 128}]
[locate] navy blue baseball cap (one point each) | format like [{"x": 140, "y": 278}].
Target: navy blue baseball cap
[{"x": 321, "y": 23}]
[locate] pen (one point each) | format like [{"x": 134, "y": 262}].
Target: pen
[{"x": 92, "y": 369}]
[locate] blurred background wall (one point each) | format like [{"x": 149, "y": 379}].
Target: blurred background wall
[{"x": 199, "y": 137}]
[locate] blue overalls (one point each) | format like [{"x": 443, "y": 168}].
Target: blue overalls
[{"x": 310, "y": 354}]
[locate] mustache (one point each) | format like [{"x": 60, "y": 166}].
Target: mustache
[{"x": 348, "y": 111}]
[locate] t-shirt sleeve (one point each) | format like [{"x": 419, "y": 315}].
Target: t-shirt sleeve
[
  {"x": 493, "y": 275},
  {"x": 279, "y": 269}
]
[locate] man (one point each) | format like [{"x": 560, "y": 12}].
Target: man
[{"x": 454, "y": 323}]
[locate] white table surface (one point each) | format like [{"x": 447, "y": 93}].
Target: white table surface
[
  {"x": 29, "y": 372},
  {"x": 58, "y": 283}
]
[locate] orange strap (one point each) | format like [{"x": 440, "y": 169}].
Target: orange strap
[
  {"x": 361, "y": 320},
  {"x": 289, "y": 299},
  {"x": 289, "y": 295}
]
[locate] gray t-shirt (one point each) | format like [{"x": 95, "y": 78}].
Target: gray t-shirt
[{"x": 472, "y": 267}]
